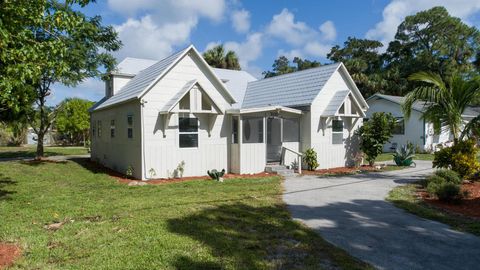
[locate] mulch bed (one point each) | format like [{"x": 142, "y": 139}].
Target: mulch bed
[
  {"x": 340, "y": 170},
  {"x": 469, "y": 206},
  {"x": 8, "y": 254},
  {"x": 121, "y": 178},
  {"x": 161, "y": 181}
]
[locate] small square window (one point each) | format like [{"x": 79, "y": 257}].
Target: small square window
[
  {"x": 99, "y": 128},
  {"x": 112, "y": 129}
]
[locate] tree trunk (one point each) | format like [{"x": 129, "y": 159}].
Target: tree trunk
[{"x": 40, "y": 137}]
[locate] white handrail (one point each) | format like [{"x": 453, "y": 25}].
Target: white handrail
[{"x": 299, "y": 156}]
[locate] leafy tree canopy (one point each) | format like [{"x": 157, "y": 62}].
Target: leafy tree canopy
[
  {"x": 431, "y": 40},
  {"x": 364, "y": 62},
  {"x": 219, "y": 58},
  {"x": 374, "y": 133},
  {"x": 45, "y": 42},
  {"x": 73, "y": 119},
  {"x": 282, "y": 66}
]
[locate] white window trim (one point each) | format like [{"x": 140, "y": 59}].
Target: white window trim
[{"x": 338, "y": 132}]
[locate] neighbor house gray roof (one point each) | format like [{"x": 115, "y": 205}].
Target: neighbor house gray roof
[
  {"x": 470, "y": 111},
  {"x": 142, "y": 80},
  {"x": 293, "y": 89},
  {"x": 418, "y": 105},
  {"x": 236, "y": 82}
]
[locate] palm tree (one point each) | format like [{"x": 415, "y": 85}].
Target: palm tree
[
  {"x": 444, "y": 100},
  {"x": 216, "y": 57}
]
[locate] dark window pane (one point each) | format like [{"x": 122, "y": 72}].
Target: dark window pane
[
  {"x": 399, "y": 127},
  {"x": 187, "y": 124},
  {"x": 130, "y": 120},
  {"x": 130, "y": 133},
  {"x": 188, "y": 140},
  {"x": 337, "y": 126},
  {"x": 112, "y": 132},
  {"x": 235, "y": 130}
]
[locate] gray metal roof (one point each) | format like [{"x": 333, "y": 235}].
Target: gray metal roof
[
  {"x": 133, "y": 66},
  {"x": 236, "y": 82},
  {"x": 293, "y": 89},
  {"x": 470, "y": 111},
  {"x": 142, "y": 80},
  {"x": 417, "y": 105}
]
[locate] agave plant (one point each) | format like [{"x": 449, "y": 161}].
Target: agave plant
[{"x": 404, "y": 155}]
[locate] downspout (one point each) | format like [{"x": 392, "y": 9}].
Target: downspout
[{"x": 142, "y": 123}]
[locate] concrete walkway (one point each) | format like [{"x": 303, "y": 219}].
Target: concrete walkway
[{"x": 351, "y": 213}]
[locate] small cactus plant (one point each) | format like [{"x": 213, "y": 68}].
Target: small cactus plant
[{"x": 216, "y": 175}]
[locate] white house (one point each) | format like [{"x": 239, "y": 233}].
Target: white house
[
  {"x": 415, "y": 130},
  {"x": 158, "y": 115}
]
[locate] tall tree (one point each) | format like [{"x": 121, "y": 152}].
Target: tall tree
[
  {"x": 58, "y": 45},
  {"x": 430, "y": 40},
  {"x": 445, "y": 99},
  {"x": 219, "y": 58},
  {"x": 364, "y": 62},
  {"x": 73, "y": 119},
  {"x": 282, "y": 65}
]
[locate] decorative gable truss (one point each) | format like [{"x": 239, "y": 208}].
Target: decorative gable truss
[
  {"x": 342, "y": 105},
  {"x": 192, "y": 98}
]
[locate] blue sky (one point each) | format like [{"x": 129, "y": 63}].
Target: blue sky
[{"x": 259, "y": 31}]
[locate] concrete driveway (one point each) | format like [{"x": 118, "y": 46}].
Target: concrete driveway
[{"x": 351, "y": 213}]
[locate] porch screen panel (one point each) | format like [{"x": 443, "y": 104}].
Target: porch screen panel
[
  {"x": 291, "y": 130},
  {"x": 252, "y": 130}
]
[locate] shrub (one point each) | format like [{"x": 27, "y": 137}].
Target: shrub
[
  {"x": 310, "y": 159},
  {"x": 461, "y": 157},
  {"x": 404, "y": 155},
  {"x": 433, "y": 184},
  {"x": 216, "y": 175},
  {"x": 375, "y": 133},
  {"x": 449, "y": 176},
  {"x": 448, "y": 192}
]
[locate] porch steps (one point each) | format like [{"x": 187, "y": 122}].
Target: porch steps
[{"x": 280, "y": 169}]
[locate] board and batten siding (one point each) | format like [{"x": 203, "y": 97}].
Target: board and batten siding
[
  {"x": 162, "y": 151},
  {"x": 119, "y": 152},
  {"x": 414, "y": 126},
  {"x": 331, "y": 155}
]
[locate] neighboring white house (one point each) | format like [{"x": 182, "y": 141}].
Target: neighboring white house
[
  {"x": 415, "y": 130},
  {"x": 157, "y": 115}
]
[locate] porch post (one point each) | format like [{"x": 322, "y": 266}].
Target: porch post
[{"x": 240, "y": 136}]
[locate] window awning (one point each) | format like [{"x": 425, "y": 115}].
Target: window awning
[{"x": 265, "y": 109}]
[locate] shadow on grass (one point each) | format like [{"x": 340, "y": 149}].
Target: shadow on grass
[
  {"x": 241, "y": 236},
  {"x": 5, "y": 182}
]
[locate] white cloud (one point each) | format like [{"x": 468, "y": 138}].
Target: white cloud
[
  {"x": 170, "y": 10},
  {"x": 317, "y": 49},
  {"x": 283, "y": 26},
  {"x": 167, "y": 24},
  {"x": 291, "y": 54},
  {"x": 328, "y": 30},
  {"x": 247, "y": 51},
  {"x": 395, "y": 12},
  {"x": 241, "y": 20},
  {"x": 144, "y": 38},
  {"x": 306, "y": 41}
]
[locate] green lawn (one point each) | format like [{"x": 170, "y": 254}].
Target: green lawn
[
  {"x": 29, "y": 151},
  {"x": 389, "y": 157},
  {"x": 404, "y": 197},
  {"x": 238, "y": 224}
]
